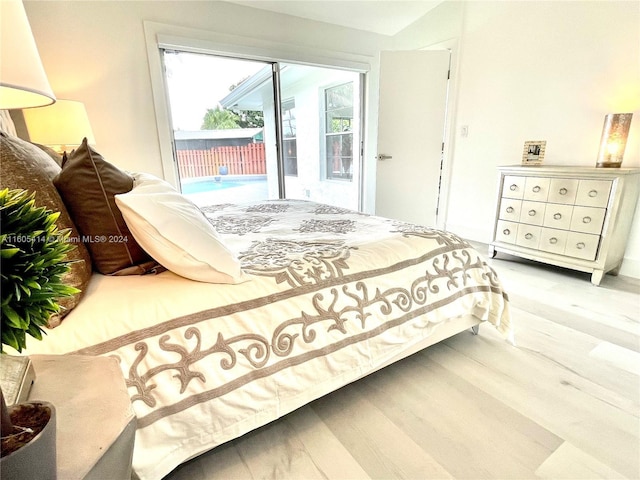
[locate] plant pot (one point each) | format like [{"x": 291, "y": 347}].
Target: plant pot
[{"x": 37, "y": 458}]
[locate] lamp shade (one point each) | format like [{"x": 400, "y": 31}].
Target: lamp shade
[
  {"x": 61, "y": 125},
  {"x": 23, "y": 83}
]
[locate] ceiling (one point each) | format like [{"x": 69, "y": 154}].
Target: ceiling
[{"x": 386, "y": 17}]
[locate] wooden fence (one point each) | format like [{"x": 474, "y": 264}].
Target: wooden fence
[{"x": 246, "y": 160}]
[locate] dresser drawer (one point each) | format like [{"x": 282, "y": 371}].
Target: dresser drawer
[
  {"x": 506, "y": 231},
  {"x": 532, "y": 212},
  {"x": 513, "y": 186},
  {"x": 593, "y": 193},
  {"x": 587, "y": 219},
  {"x": 558, "y": 216},
  {"x": 536, "y": 188},
  {"x": 582, "y": 245},
  {"x": 563, "y": 190},
  {"x": 510, "y": 209},
  {"x": 528, "y": 236},
  {"x": 553, "y": 240}
]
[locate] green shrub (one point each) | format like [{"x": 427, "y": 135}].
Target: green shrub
[{"x": 33, "y": 253}]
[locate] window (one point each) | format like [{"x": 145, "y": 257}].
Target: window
[
  {"x": 339, "y": 131},
  {"x": 289, "y": 138}
]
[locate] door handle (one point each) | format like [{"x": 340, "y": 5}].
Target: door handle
[{"x": 382, "y": 156}]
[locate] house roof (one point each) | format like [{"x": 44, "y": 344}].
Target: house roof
[
  {"x": 246, "y": 96},
  {"x": 250, "y": 94},
  {"x": 216, "y": 134}
]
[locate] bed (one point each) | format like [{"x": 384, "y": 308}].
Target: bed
[{"x": 323, "y": 296}]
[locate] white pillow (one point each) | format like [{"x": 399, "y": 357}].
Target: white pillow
[{"x": 174, "y": 231}]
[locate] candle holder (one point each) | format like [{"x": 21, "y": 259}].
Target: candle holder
[{"x": 614, "y": 140}]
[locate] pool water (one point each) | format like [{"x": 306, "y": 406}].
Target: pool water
[{"x": 210, "y": 185}]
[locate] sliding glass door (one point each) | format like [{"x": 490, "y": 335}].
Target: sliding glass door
[{"x": 233, "y": 145}]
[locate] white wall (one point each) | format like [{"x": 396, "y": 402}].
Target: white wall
[{"x": 533, "y": 71}]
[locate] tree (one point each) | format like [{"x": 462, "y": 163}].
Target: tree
[
  {"x": 219, "y": 119},
  {"x": 222, "y": 118},
  {"x": 250, "y": 118}
]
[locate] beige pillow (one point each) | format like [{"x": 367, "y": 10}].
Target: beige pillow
[
  {"x": 25, "y": 166},
  {"x": 87, "y": 184}
]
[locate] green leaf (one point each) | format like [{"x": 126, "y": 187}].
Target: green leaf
[
  {"x": 10, "y": 316},
  {"x": 9, "y": 252},
  {"x": 9, "y": 338}
]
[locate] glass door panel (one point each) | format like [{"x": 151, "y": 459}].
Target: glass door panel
[
  {"x": 224, "y": 148},
  {"x": 321, "y": 124}
]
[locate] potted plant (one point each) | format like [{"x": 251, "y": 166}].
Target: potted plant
[{"x": 33, "y": 253}]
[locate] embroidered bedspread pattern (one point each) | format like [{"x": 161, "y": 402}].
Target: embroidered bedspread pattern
[{"x": 332, "y": 294}]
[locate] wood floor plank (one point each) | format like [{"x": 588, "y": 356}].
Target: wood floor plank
[
  {"x": 575, "y": 321},
  {"x": 464, "y": 429},
  {"x": 570, "y": 463},
  {"x": 327, "y": 452},
  {"x": 222, "y": 463},
  {"x": 382, "y": 447},
  {"x": 563, "y": 346},
  {"x": 619, "y": 357},
  {"x": 551, "y": 395},
  {"x": 275, "y": 451}
]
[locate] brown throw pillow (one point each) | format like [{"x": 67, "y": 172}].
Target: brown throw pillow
[
  {"x": 87, "y": 184},
  {"x": 51, "y": 152},
  {"x": 25, "y": 166}
]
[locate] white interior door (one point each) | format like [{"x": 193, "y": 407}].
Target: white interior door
[{"x": 412, "y": 110}]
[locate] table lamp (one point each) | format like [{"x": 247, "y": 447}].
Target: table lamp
[
  {"x": 613, "y": 140},
  {"x": 61, "y": 126}
]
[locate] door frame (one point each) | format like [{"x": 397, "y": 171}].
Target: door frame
[{"x": 450, "y": 130}]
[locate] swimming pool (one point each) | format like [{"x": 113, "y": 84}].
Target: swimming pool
[{"x": 219, "y": 182}]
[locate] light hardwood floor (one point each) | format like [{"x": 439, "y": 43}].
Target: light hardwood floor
[{"x": 563, "y": 403}]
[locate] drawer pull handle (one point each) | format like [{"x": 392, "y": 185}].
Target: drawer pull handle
[
  {"x": 586, "y": 220},
  {"x": 557, "y": 216},
  {"x": 528, "y": 236},
  {"x": 506, "y": 231},
  {"x": 532, "y": 213},
  {"x": 536, "y": 189},
  {"x": 510, "y": 210},
  {"x": 580, "y": 245},
  {"x": 553, "y": 240},
  {"x": 563, "y": 191},
  {"x": 593, "y": 193},
  {"x": 513, "y": 187}
]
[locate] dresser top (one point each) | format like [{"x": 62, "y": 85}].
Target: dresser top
[{"x": 569, "y": 170}]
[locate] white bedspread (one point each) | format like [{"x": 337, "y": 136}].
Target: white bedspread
[{"x": 332, "y": 294}]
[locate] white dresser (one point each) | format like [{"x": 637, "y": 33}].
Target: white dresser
[{"x": 573, "y": 217}]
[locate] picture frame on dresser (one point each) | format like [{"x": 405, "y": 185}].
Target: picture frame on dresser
[
  {"x": 533, "y": 153},
  {"x": 572, "y": 217}
]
